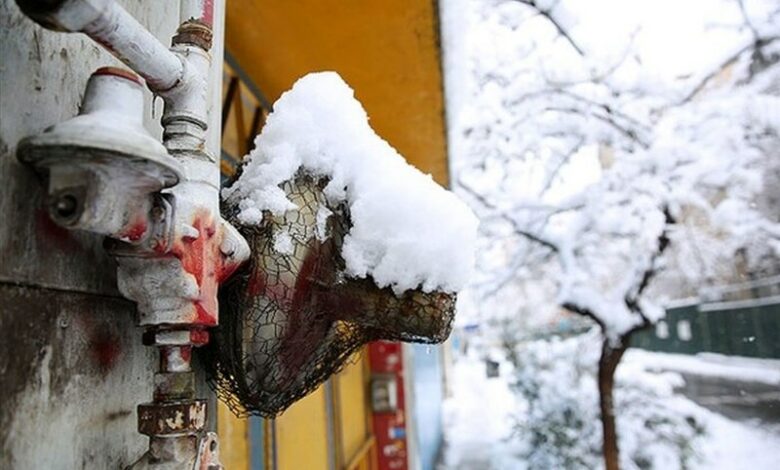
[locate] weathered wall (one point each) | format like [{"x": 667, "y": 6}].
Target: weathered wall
[{"x": 72, "y": 368}]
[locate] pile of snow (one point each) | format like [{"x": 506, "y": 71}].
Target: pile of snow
[
  {"x": 407, "y": 231},
  {"x": 479, "y": 418},
  {"x": 744, "y": 369}
]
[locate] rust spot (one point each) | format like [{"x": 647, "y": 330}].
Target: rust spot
[
  {"x": 171, "y": 418},
  {"x": 195, "y": 32}
]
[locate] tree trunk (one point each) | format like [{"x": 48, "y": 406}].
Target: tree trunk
[{"x": 608, "y": 362}]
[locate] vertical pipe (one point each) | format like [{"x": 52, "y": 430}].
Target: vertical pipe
[
  {"x": 214, "y": 137},
  {"x": 176, "y": 358},
  {"x": 202, "y": 10}
]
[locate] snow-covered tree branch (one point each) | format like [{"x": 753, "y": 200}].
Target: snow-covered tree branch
[{"x": 625, "y": 156}]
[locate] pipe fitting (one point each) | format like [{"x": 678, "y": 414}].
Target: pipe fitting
[
  {"x": 104, "y": 170},
  {"x": 194, "y": 32}
]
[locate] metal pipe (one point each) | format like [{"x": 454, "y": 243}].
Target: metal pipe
[
  {"x": 202, "y": 10},
  {"x": 114, "y": 28},
  {"x": 133, "y": 44}
]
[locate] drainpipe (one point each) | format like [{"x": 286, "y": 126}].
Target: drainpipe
[{"x": 174, "y": 252}]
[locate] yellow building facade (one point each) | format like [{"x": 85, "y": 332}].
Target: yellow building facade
[{"x": 388, "y": 51}]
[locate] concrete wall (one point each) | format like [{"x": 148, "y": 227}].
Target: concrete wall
[{"x": 72, "y": 368}]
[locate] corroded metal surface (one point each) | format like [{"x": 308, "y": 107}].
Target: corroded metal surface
[
  {"x": 194, "y": 32},
  {"x": 171, "y": 417}
]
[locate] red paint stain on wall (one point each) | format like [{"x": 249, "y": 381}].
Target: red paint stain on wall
[
  {"x": 51, "y": 233},
  {"x": 105, "y": 349}
]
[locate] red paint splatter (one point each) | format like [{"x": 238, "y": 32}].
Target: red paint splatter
[
  {"x": 135, "y": 231},
  {"x": 202, "y": 258},
  {"x": 186, "y": 353},
  {"x": 207, "y": 14},
  {"x": 105, "y": 349},
  {"x": 307, "y": 324},
  {"x": 118, "y": 72},
  {"x": 199, "y": 337},
  {"x": 257, "y": 283}
]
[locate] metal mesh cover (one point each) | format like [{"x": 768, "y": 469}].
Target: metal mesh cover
[{"x": 290, "y": 318}]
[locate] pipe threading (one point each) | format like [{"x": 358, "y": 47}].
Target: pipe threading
[{"x": 194, "y": 32}]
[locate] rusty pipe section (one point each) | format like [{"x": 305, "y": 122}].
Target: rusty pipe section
[{"x": 110, "y": 25}]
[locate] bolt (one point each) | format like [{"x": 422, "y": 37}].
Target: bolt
[
  {"x": 158, "y": 213},
  {"x": 66, "y": 206}
]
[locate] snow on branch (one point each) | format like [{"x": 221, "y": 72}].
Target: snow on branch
[
  {"x": 629, "y": 193},
  {"x": 546, "y": 10}
]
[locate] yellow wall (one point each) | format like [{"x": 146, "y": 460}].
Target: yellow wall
[
  {"x": 352, "y": 409},
  {"x": 234, "y": 439},
  {"x": 387, "y": 50},
  {"x": 301, "y": 434}
]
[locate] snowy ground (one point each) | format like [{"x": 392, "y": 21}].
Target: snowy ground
[
  {"x": 480, "y": 414},
  {"x": 765, "y": 371},
  {"x": 478, "y": 418}
]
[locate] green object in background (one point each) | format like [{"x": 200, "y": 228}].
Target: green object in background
[{"x": 739, "y": 328}]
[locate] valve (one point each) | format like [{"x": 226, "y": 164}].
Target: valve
[{"x": 105, "y": 172}]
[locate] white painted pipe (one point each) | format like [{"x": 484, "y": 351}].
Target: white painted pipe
[
  {"x": 114, "y": 28},
  {"x": 202, "y": 10},
  {"x": 133, "y": 44}
]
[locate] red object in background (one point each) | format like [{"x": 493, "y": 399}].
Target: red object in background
[{"x": 390, "y": 427}]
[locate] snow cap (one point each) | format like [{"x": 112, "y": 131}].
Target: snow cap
[{"x": 407, "y": 231}]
